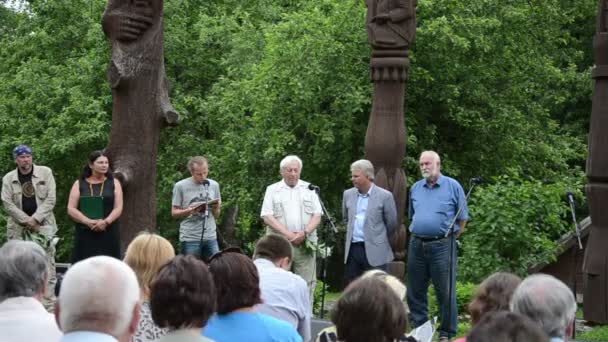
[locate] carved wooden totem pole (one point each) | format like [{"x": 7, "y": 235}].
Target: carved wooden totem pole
[
  {"x": 141, "y": 105},
  {"x": 391, "y": 28},
  {"x": 596, "y": 256}
]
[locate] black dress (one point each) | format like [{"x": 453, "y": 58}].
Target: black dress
[{"x": 88, "y": 243}]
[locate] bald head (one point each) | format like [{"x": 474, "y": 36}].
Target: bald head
[
  {"x": 99, "y": 294},
  {"x": 547, "y": 301}
]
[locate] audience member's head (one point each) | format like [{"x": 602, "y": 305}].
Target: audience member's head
[
  {"x": 393, "y": 282},
  {"x": 23, "y": 270},
  {"x": 506, "y": 326},
  {"x": 182, "y": 294},
  {"x": 369, "y": 310},
  {"x": 548, "y": 302},
  {"x": 493, "y": 294},
  {"x": 275, "y": 248},
  {"x": 99, "y": 294},
  {"x": 146, "y": 254},
  {"x": 236, "y": 281}
]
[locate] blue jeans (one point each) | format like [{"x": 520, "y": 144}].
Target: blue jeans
[
  {"x": 428, "y": 260},
  {"x": 205, "y": 250}
]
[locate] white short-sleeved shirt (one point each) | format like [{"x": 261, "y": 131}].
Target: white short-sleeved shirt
[{"x": 293, "y": 207}]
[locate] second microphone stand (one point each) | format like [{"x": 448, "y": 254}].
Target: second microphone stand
[
  {"x": 452, "y": 236},
  {"x": 575, "y": 251},
  {"x": 328, "y": 223}
]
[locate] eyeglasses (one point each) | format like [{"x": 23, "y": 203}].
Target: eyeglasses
[{"x": 224, "y": 251}]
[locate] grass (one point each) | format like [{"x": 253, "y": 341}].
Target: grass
[{"x": 599, "y": 333}]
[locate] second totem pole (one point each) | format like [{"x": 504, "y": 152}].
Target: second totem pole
[{"x": 391, "y": 28}]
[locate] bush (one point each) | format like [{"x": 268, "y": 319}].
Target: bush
[
  {"x": 464, "y": 293},
  {"x": 514, "y": 225}
]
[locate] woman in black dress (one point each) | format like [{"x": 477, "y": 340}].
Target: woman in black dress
[{"x": 99, "y": 195}]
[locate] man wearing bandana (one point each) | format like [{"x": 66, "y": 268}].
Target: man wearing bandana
[{"x": 28, "y": 196}]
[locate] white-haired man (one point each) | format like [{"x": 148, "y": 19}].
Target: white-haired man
[
  {"x": 548, "y": 302},
  {"x": 23, "y": 281},
  {"x": 291, "y": 209},
  {"x": 98, "y": 301},
  {"x": 370, "y": 215},
  {"x": 435, "y": 200}
]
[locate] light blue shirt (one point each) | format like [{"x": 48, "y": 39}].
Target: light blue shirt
[
  {"x": 362, "y": 201},
  {"x": 250, "y": 327},
  {"x": 284, "y": 296},
  {"x": 432, "y": 208},
  {"x": 87, "y": 336}
]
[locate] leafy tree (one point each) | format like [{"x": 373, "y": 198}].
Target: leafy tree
[{"x": 515, "y": 225}]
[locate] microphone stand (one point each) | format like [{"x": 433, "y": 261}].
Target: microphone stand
[
  {"x": 575, "y": 251},
  {"x": 205, "y": 215},
  {"x": 324, "y": 238},
  {"x": 452, "y": 236}
]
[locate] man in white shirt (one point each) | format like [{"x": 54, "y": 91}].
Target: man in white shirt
[
  {"x": 23, "y": 281},
  {"x": 291, "y": 209},
  {"x": 284, "y": 294},
  {"x": 98, "y": 301}
]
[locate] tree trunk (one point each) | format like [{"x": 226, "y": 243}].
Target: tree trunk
[{"x": 141, "y": 106}]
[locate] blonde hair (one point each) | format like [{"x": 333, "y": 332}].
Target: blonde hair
[
  {"x": 145, "y": 255},
  {"x": 393, "y": 282}
]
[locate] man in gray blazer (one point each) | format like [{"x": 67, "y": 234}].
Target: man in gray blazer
[{"x": 371, "y": 218}]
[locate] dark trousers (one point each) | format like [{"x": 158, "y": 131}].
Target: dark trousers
[{"x": 357, "y": 264}]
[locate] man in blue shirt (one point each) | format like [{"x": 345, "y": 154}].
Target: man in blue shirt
[{"x": 435, "y": 201}]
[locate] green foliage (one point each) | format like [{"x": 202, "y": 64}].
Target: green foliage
[
  {"x": 496, "y": 87},
  {"x": 514, "y": 225},
  {"x": 599, "y": 333},
  {"x": 464, "y": 294}
]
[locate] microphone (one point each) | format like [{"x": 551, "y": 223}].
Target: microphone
[
  {"x": 475, "y": 180},
  {"x": 570, "y": 196},
  {"x": 314, "y": 188},
  {"x": 206, "y": 183}
]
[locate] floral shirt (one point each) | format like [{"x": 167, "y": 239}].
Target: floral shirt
[{"x": 147, "y": 331}]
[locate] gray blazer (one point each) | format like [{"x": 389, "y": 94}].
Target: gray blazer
[{"x": 380, "y": 223}]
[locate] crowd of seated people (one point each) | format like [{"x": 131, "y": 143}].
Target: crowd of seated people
[{"x": 154, "y": 295}]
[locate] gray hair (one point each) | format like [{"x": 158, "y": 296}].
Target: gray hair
[
  {"x": 432, "y": 154},
  {"x": 98, "y": 294},
  {"x": 364, "y": 166},
  {"x": 24, "y": 269},
  {"x": 198, "y": 160},
  {"x": 290, "y": 159},
  {"x": 547, "y": 301}
]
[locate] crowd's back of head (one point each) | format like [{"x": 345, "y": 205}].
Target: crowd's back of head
[
  {"x": 506, "y": 326},
  {"x": 99, "y": 294},
  {"x": 145, "y": 255},
  {"x": 548, "y": 302},
  {"x": 182, "y": 294},
  {"x": 369, "y": 310},
  {"x": 236, "y": 281},
  {"x": 23, "y": 269}
]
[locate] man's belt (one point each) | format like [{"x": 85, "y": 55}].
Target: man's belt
[{"x": 427, "y": 238}]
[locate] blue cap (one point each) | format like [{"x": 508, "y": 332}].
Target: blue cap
[{"x": 21, "y": 150}]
